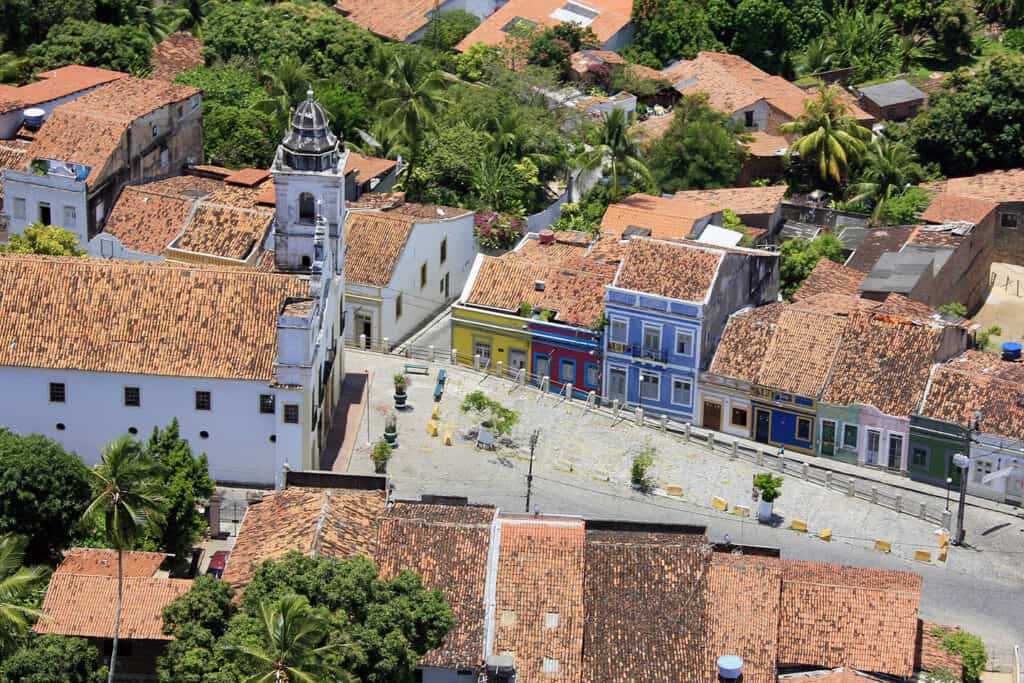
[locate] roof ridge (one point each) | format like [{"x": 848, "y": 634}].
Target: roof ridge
[{"x": 314, "y": 549}]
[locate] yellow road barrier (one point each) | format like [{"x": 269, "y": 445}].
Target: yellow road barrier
[
  {"x": 719, "y": 504},
  {"x": 883, "y": 546},
  {"x": 798, "y": 525},
  {"x": 825, "y": 535},
  {"x": 447, "y": 437},
  {"x": 432, "y": 428},
  {"x": 674, "y": 490},
  {"x": 923, "y": 556},
  {"x": 741, "y": 510}
]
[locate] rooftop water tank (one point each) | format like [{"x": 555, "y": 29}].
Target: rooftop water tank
[
  {"x": 1011, "y": 350},
  {"x": 34, "y": 117},
  {"x": 730, "y": 667},
  {"x": 546, "y": 236}
]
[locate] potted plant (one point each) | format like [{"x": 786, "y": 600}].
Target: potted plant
[
  {"x": 391, "y": 428},
  {"x": 640, "y": 471},
  {"x": 400, "y": 383},
  {"x": 381, "y": 455},
  {"x": 497, "y": 419},
  {"x": 770, "y": 488}
]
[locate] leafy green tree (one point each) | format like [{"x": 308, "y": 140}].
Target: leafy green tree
[
  {"x": 854, "y": 37},
  {"x": 197, "y": 620},
  {"x": 731, "y": 221},
  {"x": 477, "y": 62},
  {"x": 969, "y": 646},
  {"x": 44, "y": 239},
  {"x": 286, "y": 84},
  {"x": 348, "y": 109},
  {"x": 90, "y": 43},
  {"x": 953, "y": 308},
  {"x": 974, "y": 125},
  {"x": 829, "y": 137},
  {"x": 983, "y": 342},
  {"x": 448, "y": 28},
  {"x": 701, "y": 149},
  {"x": 798, "y": 258},
  {"x": 43, "y": 492},
  {"x": 27, "y": 23},
  {"x": 127, "y": 494},
  {"x": 615, "y": 149},
  {"x": 905, "y": 208},
  {"x": 887, "y": 170},
  {"x": 54, "y": 659},
  {"x": 186, "y": 481},
  {"x": 667, "y": 30},
  {"x": 16, "y": 585}
]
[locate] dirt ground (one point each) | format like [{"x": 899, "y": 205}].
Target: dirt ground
[{"x": 1005, "y": 304}]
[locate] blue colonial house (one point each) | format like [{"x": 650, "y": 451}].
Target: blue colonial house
[{"x": 666, "y": 309}]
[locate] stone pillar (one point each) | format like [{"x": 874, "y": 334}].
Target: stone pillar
[
  {"x": 455, "y": 357},
  {"x": 362, "y": 341},
  {"x": 568, "y": 391},
  {"x": 385, "y": 345},
  {"x": 476, "y": 361},
  {"x": 735, "y": 450},
  {"x": 639, "y": 416},
  {"x": 615, "y": 408},
  {"x": 432, "y": 350},
  {"x": 501, "y": 369},
  {"x": 545, "y": 383},
  {"x": 663, "y": 423}
]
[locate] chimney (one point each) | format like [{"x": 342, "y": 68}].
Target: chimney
[
  {"x": 546, "y": 236},
  {"x": 730, "y": 669},
  {"x": 538, "y": 285}
]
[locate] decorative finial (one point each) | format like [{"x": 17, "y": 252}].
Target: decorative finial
[{"x": 309, "y": 91}]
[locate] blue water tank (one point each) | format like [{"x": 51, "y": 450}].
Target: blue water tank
[
  {"x": 730, "y": 667},
  {"x": 33, "y": 117},
  {"x": 1011, "y": 350}
]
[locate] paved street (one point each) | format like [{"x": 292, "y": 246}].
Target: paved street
[{"x": 977, "y": 589}]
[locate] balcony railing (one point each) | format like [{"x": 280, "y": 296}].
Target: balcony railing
[{"x": 648, "y": 353}]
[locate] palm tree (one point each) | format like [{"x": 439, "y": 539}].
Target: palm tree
[
  {"x": 380, "y": 140},
  {"x": 829, "y": 136},
  {"x": 508, "y": 135},
  {"x": 412, "y": 93},
  {"x": 616, "y": 150},
  {"x": 16, "y": 584},
  {"x": 914, "y": 47},
  {"x": 292, "y": 633},
  {"x": 286, "y": 85},
  {"x": 497, "y": 184},
  {"x": 888, "y": 168},
  {"x": 128, "y": 493}
]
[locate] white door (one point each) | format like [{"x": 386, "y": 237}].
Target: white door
[
  {"x": 542, "y": 366},
  {"x": 873, "y": 446},
  {"x": 617, "y": 384},
  {"x": 516, "y": 360}
]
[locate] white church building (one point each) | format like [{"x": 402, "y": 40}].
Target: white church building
[{"x": 250, "y": 363}]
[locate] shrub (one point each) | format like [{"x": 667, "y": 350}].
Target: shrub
[
  {"x": 495, "y": 230},
  {"x": 953, "y": 308},
  {"x": 381, "y": 453},
  {"x": 769, "y": 486},
  {"x": 1014, "y": 39},
  {"x": 969, "y": 647},
  {"x": 400, "y": 383},
  {"x": 639, "y": 472},
  {"x": 502, "y": 419}
]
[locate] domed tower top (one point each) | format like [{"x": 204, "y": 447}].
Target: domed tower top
[{"x": 309, "y": 144}]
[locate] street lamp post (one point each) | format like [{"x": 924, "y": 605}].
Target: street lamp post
[
  {"x": 529, "y": 477},
  {"x": 949, "y": 483},
  {"x": 963, "y": 462}
]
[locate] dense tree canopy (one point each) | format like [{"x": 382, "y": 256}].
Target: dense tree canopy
[
  {"x": 44, "y": 239},
  {"x": 667, "y": 30},
  {"x": 377, "y": 629},
  {"x": 54, "y": 659},
  {"x": 43, "y": 492},
  {"x": 798, "y": 258},
  {"x": 121, "y": 48}
]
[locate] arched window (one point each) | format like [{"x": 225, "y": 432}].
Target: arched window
[
  {"x": 307, "y": 208},
  {"x": 305, "y": 262}
]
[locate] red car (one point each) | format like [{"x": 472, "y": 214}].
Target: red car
[{"x": 217, "y": 562}]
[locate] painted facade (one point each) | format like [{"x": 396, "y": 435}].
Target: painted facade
[
  {"x": 496, "y": 337},
  {"x": 839, "y": 433},
  {"x": 725, "y": 405},
  {"x": 567, "y": 355},
  {"x": 784, "y": 419}
]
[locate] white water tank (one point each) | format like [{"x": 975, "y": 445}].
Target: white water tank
[
  {"x": 33, "y": 117},
  {"x": 730, "y": 668}
]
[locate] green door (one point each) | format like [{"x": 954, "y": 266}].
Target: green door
[{"x": 828, "y": 438}]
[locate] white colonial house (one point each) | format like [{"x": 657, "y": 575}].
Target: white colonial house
[
  {"x": 404, "y": 264},
  {"x": 249, "y": 362}
]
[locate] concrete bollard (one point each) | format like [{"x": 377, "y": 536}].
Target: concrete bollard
[
  {"x": 686, "y": 431},
  {"x": 639, "y": 417},
  {"x": 663, "y": 423},
  {"x": 805, "y": 470},
  {"x": 455, "y": 357},
  {"x": 545, "y": 382},
  {"x": 947, "y": 519},
  {"x": 521, "y": 376},
  {"x": 476, "y": 361},
  {"x": 899, "y": 503},
  {"x": 851, "y": 490},
  {"x": 923, "y": 513},
  {"x": 431, "y": 353},
  {"x": 735, "y": 450},
  {"x": 760, "y": 458},
  {"x": 591, "y": 400},
  {"x": 385, "y": 345},
  {"x": 362, "y": 341},
  {"x": 828, "y": 479},
  {"x": 500, "y": 368},
  {"x": 408, "y": 350},
  {"x": 568, "y": 391},
  {"x": 615, "y": 408},
  {"x": 874, "y": 495},
  {"x": 711, "y": 441}
]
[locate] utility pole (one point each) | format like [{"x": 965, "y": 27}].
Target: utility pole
[
  {"x": 963, "y": 461},
  {"x": 529, "y": 477}
]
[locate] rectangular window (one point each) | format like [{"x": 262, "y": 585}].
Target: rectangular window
[
  {"x": 398, "y": 307},
  {"x": 156, "y": 130},
  {"x": 982, "y": 468},
  {"x": 444, "y": 250},
  {"x": 266, "y": 404},
  {"x": 850, "y": 437},
  {"x": 652, "y": 338},
  {"x": 591, "y": 375},
  {"x": 618, "y": 331},
  {"x": 423, "y": 275},
  {"x": 57, "y": 392},
  {"x": 650, "y": 386},
  {"x": 202, "y": 400},
  {"x": 682, "y": 392},
  {"x": 19, "y": 208},
  {"x": 291, "y": 413},
  {"x": 44, "y": 214},
  {"x": 895, "y": 451},
  {"x": 482, "y": 349},
  {"x": 684, "y": 343},
  {"x": 132, "y": 397},
  {"x": 70, "y": 218},
  {"x": 739, "y": 417},
  {"x": 803, "y": 429},
  {"x": 550, "y": 619},
  {"x": 748, "y": 119},
  {"x": 551, "y": 666},
  {"x": 566, "y": 371},
  {"x": 1008, "y": 220},
  {"x": 919, "y": 458}
]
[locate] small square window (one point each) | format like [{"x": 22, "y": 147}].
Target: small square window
[
  {"x": 684, "y": 343},
  {"x": 1009, "y": 220},
  {"x": 291, "y": 413},
  {"x": 650, "y": 386},
  {"x": 748, "y": 119},
  {"x": 132, "y": 397},
  {"x": 70, "y": 221},
  {"x": 19, "y": 208},
  {"x": 57, "y": 392},
  {"x": 550, "y": 619},
  {"x": 423, "y": 275},
  {"x": 618, "y": 331},
  {"x": 444, "y": 250},
  {"x": 739, "y": 417},
  {"x": 266, "y": 404},
  {"x": 920, "y": 457},
  {"x": 681, "y": 392},
  {"x": 551, "y": 666},
  {"x": 850, "y": 436},
  {"x": 508, "y": 618},
  {"x": 803, "y": 428},
  {"x": 202, "y": 400}
]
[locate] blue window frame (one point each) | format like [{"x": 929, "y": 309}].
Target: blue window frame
[
  {"x": 566, "y": 370},
  {"x": 591, "y": 375}
]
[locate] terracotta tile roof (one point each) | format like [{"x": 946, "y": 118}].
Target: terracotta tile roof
[
  {"x": 840, "y": 675},
  {"x": 654, "y": 127},
  {"x": 12, "y": 156},
  {"x": 248, "y": 177},
  {"x": 101, "y": 562},
  {"x": 612, "y": 17},
  {"x": 764, "y": 144},
  {"x": 644, "y": 602},
  {"x": 377, "y": 200},
  {"x": 395, "y": 19},
  {"x": 146, "y": 218},
  {"x": 423, "y": 213},
  {"x": 897, "y": 304},
  {"x": 83, "y": 605},
  {"x": 135, "y": 317},
  {"x": 665, "y": 218},
  {"x": 852, "y": 104},
  {"x": 541, "y": 572},
  {"x": 743, "y": 618},
  {"x": 536, "y": 253},
  {"x": 930, "y": 655},
  {"x": 365, "y": 167},
  {"x": 669, "y": 269},
  {"x": 447, "y": 546},
  {"x": 977, "y": 381},
  {"x": 829, "y": 277},
  {"x": 878, "y": 242},
  {"x": 946, "y": 208},
  {"x": 130, "y": 98},
  {"x": 176, "y": 53},
  {"x": 374, "y": 242},
  {"x": 227, "y": 231},
  {"x": 582, "y": 60},
  {"x": 333, "y": 523},
  {"x": 55, "y": 84},
  {"x": 883, "y": 361},
  {"x": 80, "y": 138},
  {"x": 742, "y": 200},
  {"x": 994, "y": 186}
]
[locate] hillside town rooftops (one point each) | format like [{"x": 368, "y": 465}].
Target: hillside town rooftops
[
  {"x": 604, "y": 17},
  {"x": 829, "y": 277},
  {"x": 394, "y": 19},
  {"x": 671, "y": 269},
  {"x": 582, "y": 61},
  {"x": 142, "y": 318},
  {"x": 666, "y": 218},
  {"x": 375, "y": 241},
  {"x": 876, "y": 242},
  {"x": 12, "y": 156},
  {"x": 54, "y": 85},
  {"x": 994, "y": 186},
  {"x": 174, "y": 54},
  {"x": 103, "y": 562},
  {"x": 130, "y": 98},
  {"x": 892, "y": 92},
  {"x": 742, "y": 200},
  {"x": 977, "y": 381}
]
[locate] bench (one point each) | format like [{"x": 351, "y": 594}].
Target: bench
[
  {"x": 439, "y": 389},
  {"x": 414, "y": 369}
]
